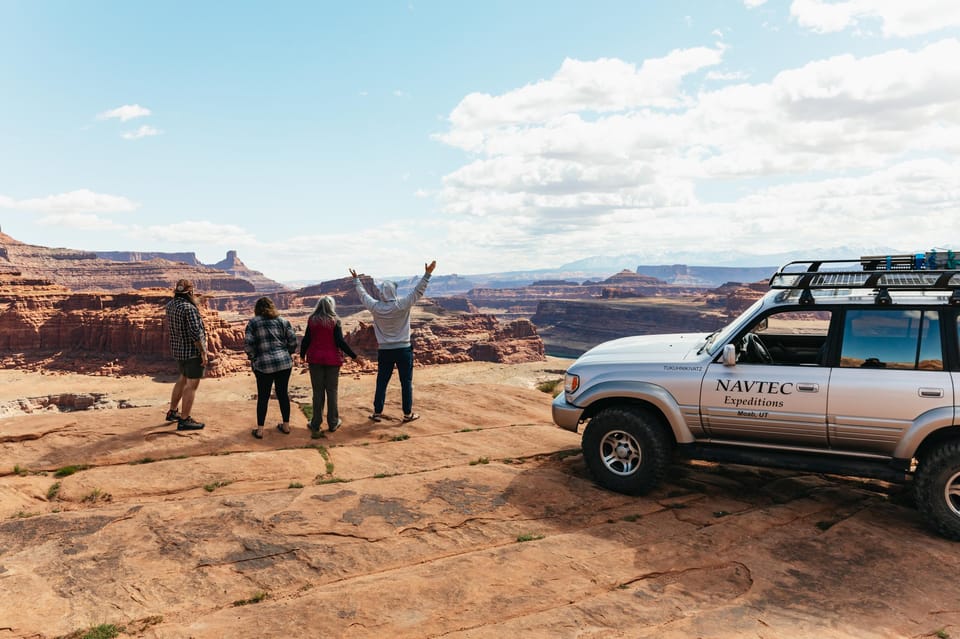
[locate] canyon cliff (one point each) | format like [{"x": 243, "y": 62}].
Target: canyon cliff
[
  {"x": 44, "y": 325},
  {"x": 570, "y": 327},
  {"x": 84, "y": 271},
  {"x": 72, "y": 302}
]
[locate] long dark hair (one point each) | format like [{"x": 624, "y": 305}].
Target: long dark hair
[
  {"x": 266, "y": 308},
  {"x": 189, "y": 296}
]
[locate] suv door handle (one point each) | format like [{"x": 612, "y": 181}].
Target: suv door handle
[
  {"x": 931, "y": 392},
  {"x": 808, "y": 388}
]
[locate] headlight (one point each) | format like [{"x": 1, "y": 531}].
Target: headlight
[{"x": 571, "y": 383}]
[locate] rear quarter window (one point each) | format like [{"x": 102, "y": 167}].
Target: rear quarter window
[{"x": 892, "y": 338}]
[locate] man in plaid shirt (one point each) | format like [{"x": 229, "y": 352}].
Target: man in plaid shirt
[{"x": 188, "y": 342}]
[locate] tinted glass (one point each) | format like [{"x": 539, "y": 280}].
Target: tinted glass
[{"x": 894, "y": 338}]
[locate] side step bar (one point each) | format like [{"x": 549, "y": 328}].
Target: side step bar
[{"x": 883, "y": 470}]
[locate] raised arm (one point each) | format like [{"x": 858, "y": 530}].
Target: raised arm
[
  {"x": 365, "y": 297},
  {"x": 421, "y": 286}
]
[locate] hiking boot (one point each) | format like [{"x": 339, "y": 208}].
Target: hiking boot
[
  {"x": 189, "y": 423},
  {"x": 173, "y": 415}
]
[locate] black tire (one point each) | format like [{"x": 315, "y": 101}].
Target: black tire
[
  {"x": 937, "y": 489},
  {"x": 626, "y": 450}
]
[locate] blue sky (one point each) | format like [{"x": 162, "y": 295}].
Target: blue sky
[{"x": 490, "y": 136}]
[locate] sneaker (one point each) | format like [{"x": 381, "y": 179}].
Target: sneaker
[
  {"x": 173, "y": 415},
  {"x": 189, "y": 423},
  {"x": 317, "y": 434},
  {"x": 334, "y": 427},
  {"x": 376, "y": 417}
]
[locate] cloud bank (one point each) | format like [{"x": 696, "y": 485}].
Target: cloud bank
[{"x": 658, "y": 156}]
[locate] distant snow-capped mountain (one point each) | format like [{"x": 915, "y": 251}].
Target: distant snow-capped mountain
[{"x": 614, "y": 263}]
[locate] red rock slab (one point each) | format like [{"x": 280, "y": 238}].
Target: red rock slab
[
  {"x": 424, "y": 451},
  {"x": 437, "y": 553},
  {"x": 794, "y": 580}
]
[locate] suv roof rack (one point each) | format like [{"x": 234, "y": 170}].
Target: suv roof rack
[{"x": 920, "y": 272}]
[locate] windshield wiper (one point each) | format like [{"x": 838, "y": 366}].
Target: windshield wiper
[{"x": 708, "y": 341}]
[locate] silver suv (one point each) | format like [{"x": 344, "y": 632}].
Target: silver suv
[{"x": 847, "y": 367}]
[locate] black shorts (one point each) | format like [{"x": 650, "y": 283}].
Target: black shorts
[{"x": 190, "y": 368}]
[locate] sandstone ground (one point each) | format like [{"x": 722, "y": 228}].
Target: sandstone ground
[{"x": 478, "y": 520}]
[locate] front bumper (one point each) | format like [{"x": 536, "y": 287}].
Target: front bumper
[{"x": 566, "y": 415}]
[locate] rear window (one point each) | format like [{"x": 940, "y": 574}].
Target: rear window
[{"x": 892, "y": 338}]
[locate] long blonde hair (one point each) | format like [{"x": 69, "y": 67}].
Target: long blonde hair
[{"x": 326, "y": 311}]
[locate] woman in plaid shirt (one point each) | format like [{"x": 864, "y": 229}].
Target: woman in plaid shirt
[{"x": 269, "y": 344}]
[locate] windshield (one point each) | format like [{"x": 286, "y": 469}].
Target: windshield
[{"x": 723, "y": 335}]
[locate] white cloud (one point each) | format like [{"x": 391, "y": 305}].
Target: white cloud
[
  {"x": 581, "y": 164},
  {"x": 898, "y": 18},
  {"x": 198, "y": 232},
  {"x": 142, "y": 132},
  {"x": 74, "y": 202},
  {"x": 389, "y": 250},
  {"x": 753, "y": 4},
  {"x": 125, "y": 113},
  {"x": 80, "y": 221},
  {"x": 726, "y": 75},
  {"x": 600, "y": 86}
]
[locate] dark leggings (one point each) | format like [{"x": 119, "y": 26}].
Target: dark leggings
[{"x": 280, "y": 380}]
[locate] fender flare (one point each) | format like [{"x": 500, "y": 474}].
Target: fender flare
[
  {"x": 653, "y": 394},
  {"x": 924, "y": 426}
]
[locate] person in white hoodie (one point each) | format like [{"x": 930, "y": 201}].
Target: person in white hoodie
[{"x": 391, "y": 325}]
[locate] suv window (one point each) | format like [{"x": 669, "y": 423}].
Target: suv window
[
  {"x": 790, "y": 338},
  {"x": 892, "y": 338}
]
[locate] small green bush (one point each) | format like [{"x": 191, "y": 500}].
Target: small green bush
[
  {"x": 307, "y": 410},
  {"x": 217, "y": 484},
  {"x": 66, "y": 471},
  {"x": 96, "y": 495},
  {"x": 551, "y": 386},
  {"x": 103, "y": 631},
  {"x": 529, "y": 537},
  {"x": 328, "y": 480},
  {"x": 257, "y": 598}
]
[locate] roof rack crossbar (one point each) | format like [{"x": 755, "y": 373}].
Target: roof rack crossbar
[{"x": 896, "y": 272}]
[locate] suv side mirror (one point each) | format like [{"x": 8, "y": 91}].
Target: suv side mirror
[{"x": 729, "y": 357}]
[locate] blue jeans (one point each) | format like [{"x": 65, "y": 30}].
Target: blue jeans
[{"x": 402, "y": 358}]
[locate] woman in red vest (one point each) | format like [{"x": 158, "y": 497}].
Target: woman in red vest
[{"x": 321, "y": 348}]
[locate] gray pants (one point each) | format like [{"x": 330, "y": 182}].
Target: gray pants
[{"x": 324, "y": 380}]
